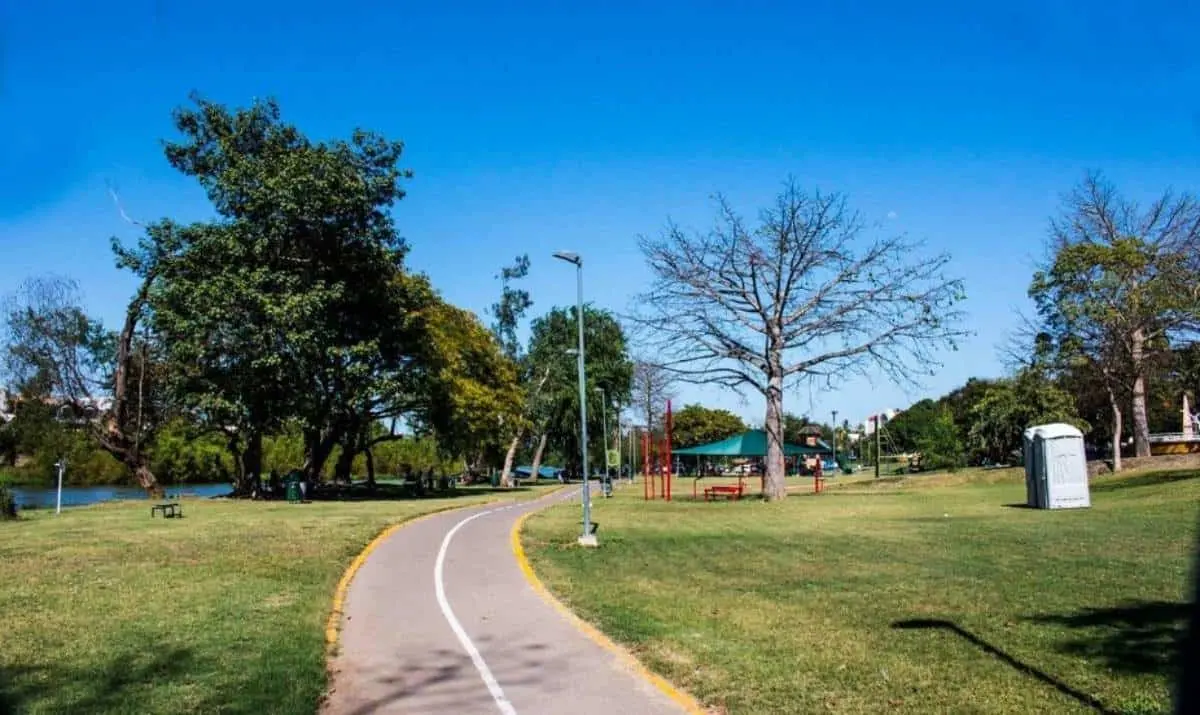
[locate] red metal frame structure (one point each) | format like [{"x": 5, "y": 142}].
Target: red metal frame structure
[
  {"x": 647, "y": 475},
  {"x": 667, "y": 473}
]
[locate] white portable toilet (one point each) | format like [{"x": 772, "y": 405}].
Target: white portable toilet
[
  {"x": 1056, "y": 468},
  {"x": 1030, "y": 483}
]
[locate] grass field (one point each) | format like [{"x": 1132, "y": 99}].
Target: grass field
[
  {"x": 925, "y": 594},
  {"x": 105, "y": 610}
]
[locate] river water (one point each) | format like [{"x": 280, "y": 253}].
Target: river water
[{"x": 41, "y": 498}]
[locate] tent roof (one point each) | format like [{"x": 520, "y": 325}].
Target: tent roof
[{"x": 748, "y": 444}]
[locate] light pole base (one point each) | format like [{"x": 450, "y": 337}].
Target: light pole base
[{"x": 590, "y": 540}]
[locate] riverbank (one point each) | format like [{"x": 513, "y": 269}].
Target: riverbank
[
  {"x": 41, "y": 497},
  {"x": 18, "y": 477},
  {"x": 109, "y": 610}
]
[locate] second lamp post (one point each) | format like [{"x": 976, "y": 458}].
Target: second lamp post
[{"x": 587, "y": 538}]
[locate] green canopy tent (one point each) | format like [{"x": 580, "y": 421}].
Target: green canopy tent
[{"x": 752, "y": 443}]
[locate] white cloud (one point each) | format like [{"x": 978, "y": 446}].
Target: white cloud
[{"x": 892, "y": 214}]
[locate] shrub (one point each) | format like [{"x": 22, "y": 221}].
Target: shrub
[{"x": 8, "y": 503}]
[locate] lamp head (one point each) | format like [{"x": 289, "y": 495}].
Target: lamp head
[{"x": 569, "y": 257}]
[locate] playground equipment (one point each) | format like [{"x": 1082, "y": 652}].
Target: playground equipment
[
  {"x": 1186, "y": 441},
  {"x": 753, "y": 443},
  {"x": 661, "y": 471}
]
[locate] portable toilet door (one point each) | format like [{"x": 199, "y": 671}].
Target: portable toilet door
[
  {"x": 1030, "y": 470},
  {"x": 1061, "y": 467}
]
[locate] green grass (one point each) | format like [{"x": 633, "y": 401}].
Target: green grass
[
  {"x": 921, "y": 594},
  {"x": 105, "y": 610}
]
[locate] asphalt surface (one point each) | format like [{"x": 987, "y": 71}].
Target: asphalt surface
[{"x": 482, "y": 642}]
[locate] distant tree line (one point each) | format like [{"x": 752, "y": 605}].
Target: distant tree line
[{"x": 1112, "y": 348}]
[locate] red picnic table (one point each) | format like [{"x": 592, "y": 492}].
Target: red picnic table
[{"x": 717, "y": 491}]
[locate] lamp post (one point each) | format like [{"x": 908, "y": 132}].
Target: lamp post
[
  {"x": 587, "y": 538},
  {"x": 605, "y": 485},
  {"x": 835, "y": 440},
  {"x": 60, "y": 465}
]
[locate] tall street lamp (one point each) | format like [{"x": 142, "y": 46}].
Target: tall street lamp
[
  {"x": 605, "y": 484},
  {"x": 587, "y": 538}
]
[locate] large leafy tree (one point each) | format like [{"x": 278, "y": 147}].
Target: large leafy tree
[
  {"x": 508, "y": 312},
  {"x": 1121, "y": 285},
  {"x": 938, "y": 442},
  {"x": 609, "y": 368},
  {"x": 696, "y": 424},
  {"x": 289, "y": 303},
  {"x": 471, "y": 395},
  {"x": 800, "y": 296},
  {"x": 907, "y": 429}
]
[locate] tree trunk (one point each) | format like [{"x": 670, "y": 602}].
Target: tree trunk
[
  {"x": 233, "y": 445},
  {"x": 537, "y": 458},
  {"x": 120, "y": 442},
  {"x": 146, "y": 479},
  {"x": 252, "y": 459},
  {"x": 1141, "y": 425},
  {"x": 506, "y": 474},
  {"x": 345, "y": 464},
  {"x": 370, "y": 468},
  {"x": 317, "y": 448},
  {"x": 774, "y": 484},
  {"x": 1117, "y": 429}
]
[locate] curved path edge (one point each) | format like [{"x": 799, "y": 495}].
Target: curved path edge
[
  {"x": 681, "y": 698},
  {"x": 333, "y": 625},
  {"x": 446, "y": 615}
]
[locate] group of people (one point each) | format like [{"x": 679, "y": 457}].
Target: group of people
[{"x": 276, "y": 487}]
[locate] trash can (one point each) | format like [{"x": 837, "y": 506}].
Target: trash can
[
  {"x": 293, "y": 491},
  {"x": 495, "y": 479}
]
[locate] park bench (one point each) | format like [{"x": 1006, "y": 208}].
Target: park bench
[
  {"x": 169, "y": 510},
  {"x": 729, "y": 492}
]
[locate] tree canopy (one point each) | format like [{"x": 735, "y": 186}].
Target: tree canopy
[
  {"x": 696, "y": 424},
  {"x": 609, "y": 374},
  {"x": 1121, "y": 286}
]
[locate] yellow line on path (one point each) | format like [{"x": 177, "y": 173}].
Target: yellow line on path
[{"x": 687, "y": 702}]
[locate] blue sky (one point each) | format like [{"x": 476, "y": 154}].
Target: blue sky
[{"x": 532, "y": 127}]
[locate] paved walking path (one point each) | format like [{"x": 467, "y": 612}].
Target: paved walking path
[{"x": 440, "y": 619}]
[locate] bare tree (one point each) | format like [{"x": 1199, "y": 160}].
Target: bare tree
[
  {"x": 799, "y": 297},
  {"x": 653, "y": 385},
  {"x": 53, "y": 343}
]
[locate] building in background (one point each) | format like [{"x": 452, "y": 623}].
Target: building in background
[{"x": 869, "y": 420}]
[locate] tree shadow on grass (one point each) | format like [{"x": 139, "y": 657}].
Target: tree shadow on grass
[
  {"x": 1112, "y": 484},
  {"x": 1137, "y": 638},
  {"x": 441, "y": 680},
  {"x": 951, "y": 627},
  {"x": 104, "y": 687}
]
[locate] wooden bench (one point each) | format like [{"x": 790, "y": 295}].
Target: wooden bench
[
  {"x": 169, "y": 510},
  {"x": 729, "y": 492}
]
